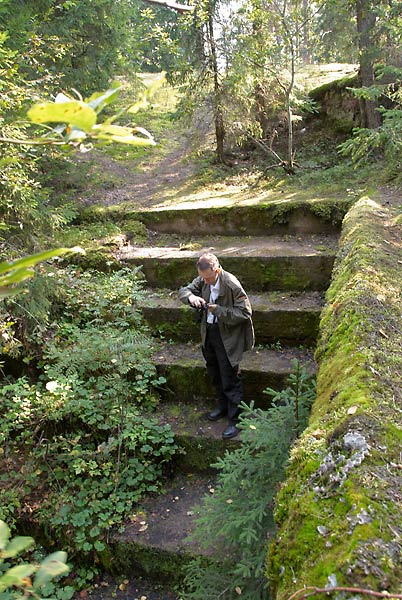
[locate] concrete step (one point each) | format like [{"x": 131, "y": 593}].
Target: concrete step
[
  {"x": 155, "y": 540},
  {"x": 276, "y": 217},
  {"x": 285, "y": 318},
  {"x": 187, "y": 381},
  {"x": 200, "y": 440},
  {"x": 261, "y": 264}
]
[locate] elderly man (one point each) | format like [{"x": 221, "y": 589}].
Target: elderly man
[{"x": 226, "y": 332}]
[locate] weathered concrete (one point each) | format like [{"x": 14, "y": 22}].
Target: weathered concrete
[
  {"x": 277, "y": 263},
  {"x": 290, "y": 319},
  {"x": 184, "y": 369},
  {"x": 281, "y": 217},
  {"x": 199, "y": 439},
  {"x": 156, "y": 541}
]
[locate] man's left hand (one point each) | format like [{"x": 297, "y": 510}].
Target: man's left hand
[{"x": 212, "y": 307}]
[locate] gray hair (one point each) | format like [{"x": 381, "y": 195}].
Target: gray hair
[{"x": 208, "y": 261}]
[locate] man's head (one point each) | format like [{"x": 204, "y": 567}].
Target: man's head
[{"x": 208, "y": 268}]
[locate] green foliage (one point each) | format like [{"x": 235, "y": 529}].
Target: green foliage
[
  {"x": 16, "y": 581},
  {"x": 12, "y": 274},
  {"x": 385, "y": 142},
  {"x": 78, "y": 119},
  {"x": 237, "y": 519},
  {"x": 80, "y": 436}
]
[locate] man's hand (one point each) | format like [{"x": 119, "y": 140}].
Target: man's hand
[
  {"x": 196, "y": 301},
  {"x": 212, "y": 308}
]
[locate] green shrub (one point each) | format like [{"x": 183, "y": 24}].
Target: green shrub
[{"x": 76, "y": 446}]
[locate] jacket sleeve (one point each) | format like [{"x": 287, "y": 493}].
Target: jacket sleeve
[
  {"x": 195, "y": 287},
  {"x": 240, "y": 311}
]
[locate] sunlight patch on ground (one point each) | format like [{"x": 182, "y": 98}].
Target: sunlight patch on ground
[{"x": 233, "y": 196}]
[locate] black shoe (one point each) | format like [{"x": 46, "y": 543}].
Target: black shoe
[
  {"x": 230, "y": 432},
  {"x": 216, "y": 414}
]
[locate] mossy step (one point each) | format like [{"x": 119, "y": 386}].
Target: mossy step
[
  {"x": 199, "y": 439},
  {"x": 155, "y": 540},
  {"x": 283, "y": 216},
  {"x": 291, "y": 213},
  {"x": 288, "y": 318},
  {"x": 261, "y": 264},
  {"x": 186, "y": 378}
]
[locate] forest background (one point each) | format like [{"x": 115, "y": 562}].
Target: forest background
[{"x": 236, "y": 67}]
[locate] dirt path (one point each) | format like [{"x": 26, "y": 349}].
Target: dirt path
[{"x": 143, "y": 182}]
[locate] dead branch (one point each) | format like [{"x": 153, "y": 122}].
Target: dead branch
[
  {"x": 180, "y": 8},
  {"x": 310, "y": 591}
]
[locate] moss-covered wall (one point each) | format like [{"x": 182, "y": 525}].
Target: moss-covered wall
[
  {"x": 339, "y": 512},
  {"x": 337, "y": 107}
]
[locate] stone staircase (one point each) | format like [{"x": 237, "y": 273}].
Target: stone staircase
[{"x": 285, "y": 268}]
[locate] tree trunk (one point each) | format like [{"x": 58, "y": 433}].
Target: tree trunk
[
  {"x": 218, "y": 109},
  {"x": 305, "y": 51},
  {"x": 370, "y": 117}
]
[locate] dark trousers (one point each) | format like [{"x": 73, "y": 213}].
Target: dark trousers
[{"x": 226, "y": 379}]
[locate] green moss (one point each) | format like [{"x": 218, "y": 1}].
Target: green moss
[
  {"x": 360, "y": 358},
  {"x": 100, "y": 259},
  {"x": 338, "y": 84}
]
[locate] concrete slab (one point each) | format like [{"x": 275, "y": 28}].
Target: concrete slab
[
  {"x": 285, "y": 318},
  {"x": 186, "y": 378}
]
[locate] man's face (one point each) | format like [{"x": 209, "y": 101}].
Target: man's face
[{"x": 210, "y": 275}]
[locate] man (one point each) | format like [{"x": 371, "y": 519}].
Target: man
[{"x": 226, "y": 332}]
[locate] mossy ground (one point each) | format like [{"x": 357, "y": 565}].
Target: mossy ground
[{"x": 338, "y": 512}]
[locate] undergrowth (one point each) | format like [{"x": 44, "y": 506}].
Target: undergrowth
[
  {"x": 76, "y": 450},
  {"x": 236, "y": 521}
]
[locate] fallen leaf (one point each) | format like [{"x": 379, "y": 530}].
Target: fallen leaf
[
  {"x": 317, "y": 433},
  {"x": 143, "y": 527},
  {"x": 352, "y": 410},
  {"x": 211, "y": 490},
  {"x": 229, "y": 501},
  {"x": 238, "y": 590}
]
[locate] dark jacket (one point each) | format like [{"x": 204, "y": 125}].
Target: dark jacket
[{"x": 233, "y": 313}]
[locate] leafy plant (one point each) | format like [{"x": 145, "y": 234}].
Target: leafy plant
[
  {"x": 26, "y": 580},
  {"x": 80, "y": 436},
  {"x": 236, "y": 521},
  {"x": 13, "y": 273}
]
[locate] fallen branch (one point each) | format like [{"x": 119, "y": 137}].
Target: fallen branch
[{"x": 311, "y": 591}]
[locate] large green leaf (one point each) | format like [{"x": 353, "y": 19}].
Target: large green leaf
[
  {"x": 124, "y": 135},
  {"x": 16, "y": 575},
  {"x": 33, "y": 259},
  {"x": 17, "y": 545},
  {"x": 15, "y": 272},
  {"x": 53, "y": 566},
  {"x": 73, "y": 112},
  {"x": 4, "y": 535},
  {"x": 99, "y": 100},
  {"x": 16, "y": 276}
]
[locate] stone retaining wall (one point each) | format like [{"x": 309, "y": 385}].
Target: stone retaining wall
[{"x": 339, "y": 511}]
